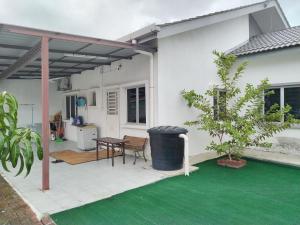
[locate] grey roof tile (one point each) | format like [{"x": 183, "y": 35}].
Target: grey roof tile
[{"x": 271, "y": 41}]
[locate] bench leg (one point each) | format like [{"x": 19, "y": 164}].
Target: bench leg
[
  {"x": 113, "y": 155},
  {"x": 123, "y": 153},
  {"x": 135, "y": 156},
  {"x": 144, "y": 156}
]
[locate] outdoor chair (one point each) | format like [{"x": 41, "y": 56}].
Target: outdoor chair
[{"x": 137, "y": 145}]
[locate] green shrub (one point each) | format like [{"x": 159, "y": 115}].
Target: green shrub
[{"x": 236, "y": 119}]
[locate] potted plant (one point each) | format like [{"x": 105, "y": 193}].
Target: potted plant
[
  {"x": 17, "y": 145},
  {"x": 233, "y": 117}
]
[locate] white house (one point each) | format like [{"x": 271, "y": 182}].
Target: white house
[{"x": 148, "y": 86}]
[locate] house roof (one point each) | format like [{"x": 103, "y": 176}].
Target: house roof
[
  {"x": 271, "y": 41},
  {"x": 260, "y": 11},
  {"x": 223, "y": 11}
]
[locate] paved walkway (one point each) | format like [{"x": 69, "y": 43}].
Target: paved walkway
[
  {"x": 13, "y": 210},
  {"x": 276, "y": 157}
]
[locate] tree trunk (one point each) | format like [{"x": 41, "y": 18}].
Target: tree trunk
[{"x": 229, "y": 156}]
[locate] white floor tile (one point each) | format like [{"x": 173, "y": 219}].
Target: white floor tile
[{"x": 75, "y": 185}]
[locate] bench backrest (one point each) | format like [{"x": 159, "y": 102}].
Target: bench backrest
[{"x": 135, "y": 143}]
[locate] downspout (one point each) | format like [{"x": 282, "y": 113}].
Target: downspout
[
  {"x": 151, "y": 85},
  {"x": 186, "y": 154}
]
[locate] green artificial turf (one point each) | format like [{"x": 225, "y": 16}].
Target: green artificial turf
[{"x": 260, "y": 193}]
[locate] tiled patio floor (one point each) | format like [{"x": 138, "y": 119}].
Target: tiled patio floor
[{"x": 76, "y": 185}]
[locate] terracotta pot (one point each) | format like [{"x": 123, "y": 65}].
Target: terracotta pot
[{"x": 232, "y": 163}]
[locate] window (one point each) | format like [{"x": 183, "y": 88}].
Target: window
[
  {"x": 285, "y": 96},
  {"x": 71, "y": 108},
  {"x": 292, "y": 98},
  {"x": 272, "y": 99},
  {"x": 136, "y": 105},
  {"x": 220, "y": 105}
]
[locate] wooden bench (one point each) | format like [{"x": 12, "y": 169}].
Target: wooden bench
[{"x": 135, "y": 144}]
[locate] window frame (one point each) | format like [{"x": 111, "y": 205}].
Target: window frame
[
  {"x": 137, "y": 106},
  {"x": 68, "y": 117},
  {"x": 282, "y": 87},
  {"x": 123, "y": 105}
]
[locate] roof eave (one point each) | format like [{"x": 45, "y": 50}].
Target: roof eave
[{"x": 201, "y": 21}]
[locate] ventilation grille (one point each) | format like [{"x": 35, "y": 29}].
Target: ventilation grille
[{"x": 112, "y": 103}]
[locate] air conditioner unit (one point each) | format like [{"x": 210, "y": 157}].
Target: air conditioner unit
[{"x": 64, "y": 84}]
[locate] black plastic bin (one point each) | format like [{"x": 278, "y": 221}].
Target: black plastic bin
[{"x": 167, "y": 148}]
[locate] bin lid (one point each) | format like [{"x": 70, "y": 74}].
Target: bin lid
[{"x": 167, "y": 130}]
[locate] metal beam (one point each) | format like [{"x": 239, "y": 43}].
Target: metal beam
[
  {"x": 39, "y": 75},
  {"x": 27, "y": 58},
  {"x": 45, "y": 111},
  {"x": 20, "y": 47},
  {"x": 34, "y": 77},
  {"x": 53, "y": 67},
  {"x": 57, "y": 60},
  {"x": 74, "y": 61}
]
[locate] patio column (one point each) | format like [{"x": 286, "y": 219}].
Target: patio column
[{"x": 45, "y": 110}]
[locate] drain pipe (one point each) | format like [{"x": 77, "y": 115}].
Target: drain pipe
[
  {"x": 186, "y": 154},
  {"x": 151, "y": 85}
]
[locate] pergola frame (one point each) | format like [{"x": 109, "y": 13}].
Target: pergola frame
[{"x": 42, "y": 49}]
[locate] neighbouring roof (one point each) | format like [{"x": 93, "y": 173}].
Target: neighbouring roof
[
  {"x": 271, "y": 41},
  {"x": 220, "y": 12}
]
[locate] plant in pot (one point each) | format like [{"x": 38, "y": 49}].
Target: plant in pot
[
  {"x": 236, "y": 118},
  {"x": 17, "y": 145}
]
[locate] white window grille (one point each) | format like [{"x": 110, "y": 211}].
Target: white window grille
[{"x": 112, "y": 100}]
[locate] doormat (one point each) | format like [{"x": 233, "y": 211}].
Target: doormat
[{"x": 74, "y": 157}]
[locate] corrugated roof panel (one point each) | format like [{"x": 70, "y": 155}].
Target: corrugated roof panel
[
  {"x": 65, "y": 45},
  {"x": 125, "y": 53},
  {"x": 12, "y": 52},
  {"x": 86, "y": 65},
  {"x": 98, "y": 49},
  {"x": 55, "y": 55},
  {"x": 6, "y": 61},
  {"x": 75, "y": 59},
  {"x": 99, "y": 60},
  {"x": 63, "y": 64},
  {"x": 14, "y": 46},
  {"x": 18, "y": 39}
]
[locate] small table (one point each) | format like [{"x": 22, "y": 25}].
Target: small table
[{"x": 112, "y": 143}]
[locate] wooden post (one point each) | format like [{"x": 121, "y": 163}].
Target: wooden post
[{"x": 45, "y": 110}]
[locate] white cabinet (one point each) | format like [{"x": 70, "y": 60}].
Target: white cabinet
[
  {"x": 70, "y": 131},
  {"x": 85, "y": 136}
]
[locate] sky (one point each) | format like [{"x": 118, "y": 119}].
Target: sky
[{"x": 112, "y": 19}]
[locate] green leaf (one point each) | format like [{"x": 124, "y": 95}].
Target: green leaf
[
  {"x": 21, "y": 166},
  {"x": 16, "y": 143}
]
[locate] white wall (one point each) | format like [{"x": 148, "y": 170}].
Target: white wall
[
  {"x": 131, "y": 71},
  {"x": 29, "y": 92},
  {"x": 185, "y": 61},
  {"x": 280, "y": 67}
]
